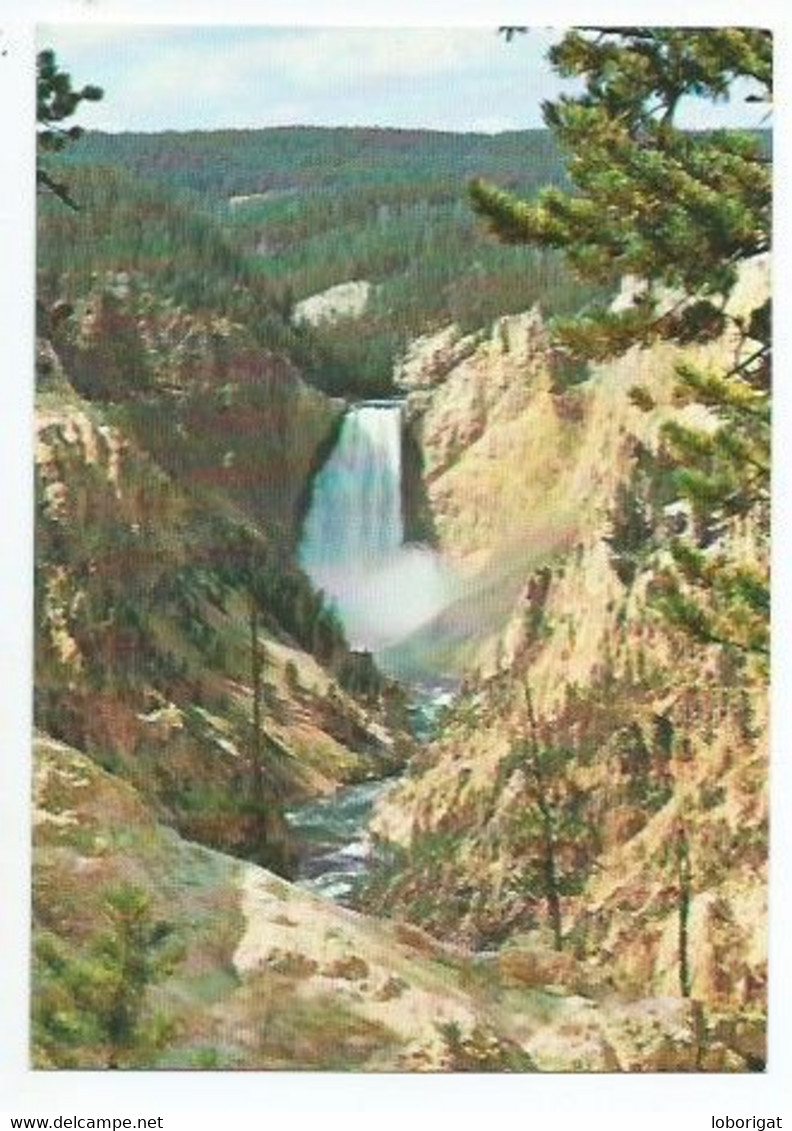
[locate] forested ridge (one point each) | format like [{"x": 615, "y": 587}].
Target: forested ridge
[
  {"x": 301, "y": 209},
  {"x": 176, "y": 442},
  {"x": 571, "y": 872},
  {"x": 218, "y": 164},
  {"x": 306, "y": 208}
]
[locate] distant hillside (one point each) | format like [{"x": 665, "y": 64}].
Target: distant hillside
[
  {"x": 218, "y": 164},
  {"x": 310, "y": 208},
  {"x": 175, "y": 443}
]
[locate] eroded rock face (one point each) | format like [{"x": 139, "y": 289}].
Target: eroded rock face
[
  {"x": 664, "y": 741},
  {"x": 360, "y": 963},
  {"x": 131, "y": 633},
  {"x": 458, "y": 387},
  {"x": 655, "y": 1035},
  {"x": 271, "y": 977},
  {"x": 428, "y": 360},
  {"x": 345, "y": 300},
  {"x": 519, "y": 476}
]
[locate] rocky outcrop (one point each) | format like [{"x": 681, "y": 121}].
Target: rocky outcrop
[
  {"x": 521, "y": 476},
  {"x": 266, "y": 976},
  {"x": 344, "y": 300},
  {"x": 655, "y": 748},
  {"x": 143, "y": 638},
  {"x": 482, "y": 414}
]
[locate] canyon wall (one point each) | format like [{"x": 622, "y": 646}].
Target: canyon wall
[{"x": 654, "y": 747}]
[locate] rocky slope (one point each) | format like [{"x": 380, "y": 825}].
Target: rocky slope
[
  {"x": 651, "y": 794},
  {"x": 221, "y": 414},
  {"x": 520, "y": 474},
  {"x": 149, "y": 554},
  {"x": 344, "y": 300},
  {"x": 265, "y": 976}
]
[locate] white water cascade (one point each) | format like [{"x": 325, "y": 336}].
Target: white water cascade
[{"x": 353, "y": 538}]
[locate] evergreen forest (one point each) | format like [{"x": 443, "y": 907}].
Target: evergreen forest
[{"x": 282, "y": 214}]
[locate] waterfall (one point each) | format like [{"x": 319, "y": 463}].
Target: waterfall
[
  {"x": 353, "y": 538},
  {"x": 356, "y": 513}
]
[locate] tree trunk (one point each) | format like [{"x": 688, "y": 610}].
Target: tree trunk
[
  {"x": 549, "y": 864},
  {"x": 255, "y": 679},
  {"x": 551, "y": 879},
  {"x": 683, "y": 888}
]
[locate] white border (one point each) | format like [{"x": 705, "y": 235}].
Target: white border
[{"x": 242, "y": 1099}]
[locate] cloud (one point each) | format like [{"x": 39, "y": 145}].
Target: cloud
[
  {"x": 384, "y": 54},
  {"x": 303, "y": 62},
  {"x": 212, "y": 76},
  {"x": 159, "y": 77},
  {"x": 94, "y": 39}
]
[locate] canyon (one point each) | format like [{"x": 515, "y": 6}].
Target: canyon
[{"x": 449, "y": 958}]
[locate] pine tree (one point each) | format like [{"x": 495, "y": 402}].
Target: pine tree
[
  {"x": 553, "y": 824},
  {"x": 682, "y": 846},
  {"x": 95, "y": 1005},
  {"x": 679, "y": 211},
  {"x": 129, "y": 957},
  {"x": 56, "y": 100}
]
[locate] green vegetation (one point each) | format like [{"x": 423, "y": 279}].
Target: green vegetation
[
  {"x": 678, "y": 211},
  {"x": 482, "y": 1051},
  {"x": 318, "y": 207},
  {"x": 683, "y": 903},
  {"x": 639, "y": 517},
  {"x": 56, "y": 100},
  {"x": 553, "y": 822},
  {"x": 387, "y": 165},
  {"x": 420, "y": 878},
  {"x": 95, "y": 1003},
  {"x": 162, "y": 247}
]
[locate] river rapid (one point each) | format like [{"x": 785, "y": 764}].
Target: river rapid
[
  {"x": 353, "y": 548},
  {"x": 336, "y": 850}
]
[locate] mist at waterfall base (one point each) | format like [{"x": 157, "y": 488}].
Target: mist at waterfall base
[{"x": 353, "y": 538}]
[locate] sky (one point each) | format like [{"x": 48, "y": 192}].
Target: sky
[
  {"x": 159, "y": 77},
  {"x": 156, "y": 80}
]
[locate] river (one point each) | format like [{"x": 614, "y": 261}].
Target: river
[
  {"x": 383, "y": 588},
  {"x": 335, "y": 846},
  {"x": 336, "y": 849}
]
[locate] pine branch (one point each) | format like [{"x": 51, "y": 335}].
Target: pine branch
[{"x": 43, "y": 179}]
